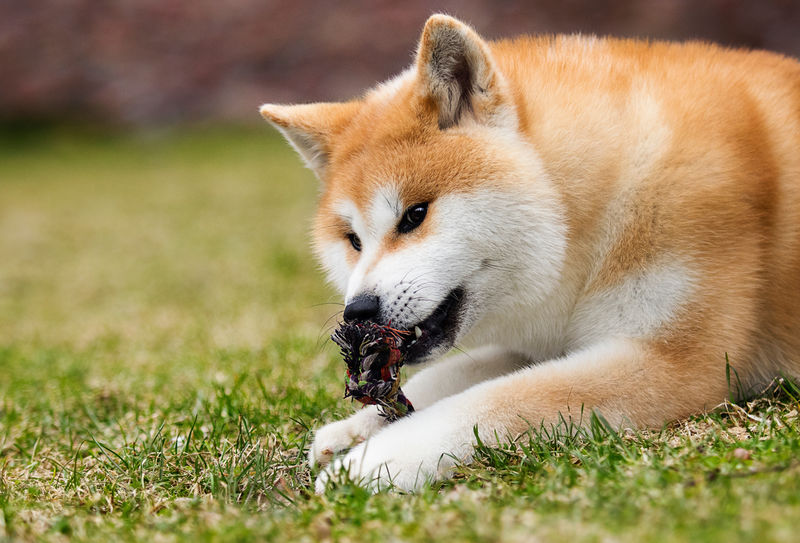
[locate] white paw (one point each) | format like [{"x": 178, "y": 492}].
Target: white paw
[
  {"x": 406, "y": 455},
  {"x": 342, "y": 435}
]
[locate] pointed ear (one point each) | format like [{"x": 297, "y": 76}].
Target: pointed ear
[
  {"x": 311, "y": 128},
  {"x": 457, "y": 71}
]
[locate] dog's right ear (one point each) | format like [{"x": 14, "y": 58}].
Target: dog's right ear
[{"x": 311, "y": 128}]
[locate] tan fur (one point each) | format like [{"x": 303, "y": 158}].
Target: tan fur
[{"x": 657, "y": 151}]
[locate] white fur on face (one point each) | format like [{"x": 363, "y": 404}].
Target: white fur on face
[
  {"x": 385, "y": 210},
  {"x": 478, "y": 241},
  {"x": 383, "y": 215},
  {"x": 333, "y": 257},
  {"x": 501, "y": 247}
]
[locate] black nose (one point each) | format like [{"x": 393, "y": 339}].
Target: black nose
[{"x": 362, "y": 308}]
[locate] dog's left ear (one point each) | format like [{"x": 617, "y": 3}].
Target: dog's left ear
[
  {"x": 456, "y": 69},
  {"x": 311, "y": 128}
]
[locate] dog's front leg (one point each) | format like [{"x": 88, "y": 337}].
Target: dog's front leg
[
  {"x": 439, "y": 380},
  {"x": 629, "y": 382}
]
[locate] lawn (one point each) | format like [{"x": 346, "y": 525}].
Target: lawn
[{"x": 164, "y": 357}]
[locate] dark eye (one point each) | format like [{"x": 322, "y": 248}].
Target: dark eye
[
  {"x": 412, "y": 218},
  {"x": 354, "y": 241}
]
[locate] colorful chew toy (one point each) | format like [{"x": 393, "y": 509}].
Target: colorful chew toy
[{"x": 374, "y": 355}]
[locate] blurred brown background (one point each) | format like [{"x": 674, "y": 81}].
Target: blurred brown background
[{"x": 149, "y": 62}]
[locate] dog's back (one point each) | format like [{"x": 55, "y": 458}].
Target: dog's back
[{"x": 690, "y": 149}]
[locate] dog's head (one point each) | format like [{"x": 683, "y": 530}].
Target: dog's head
[{"x": 435, "y": 211}]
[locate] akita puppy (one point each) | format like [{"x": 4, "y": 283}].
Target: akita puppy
[{"x": 603, "y": 222}]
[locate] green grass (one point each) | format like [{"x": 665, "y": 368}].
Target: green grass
[{"x": 164, "y": 357}]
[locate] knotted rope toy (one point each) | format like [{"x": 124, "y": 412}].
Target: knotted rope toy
[{"x": 374, "y": 356}]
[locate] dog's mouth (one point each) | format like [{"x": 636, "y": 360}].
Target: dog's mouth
[{"x": 438, "y": 331}]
